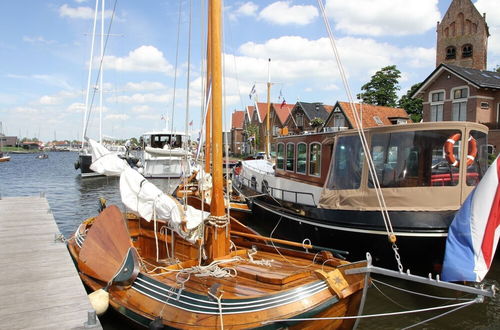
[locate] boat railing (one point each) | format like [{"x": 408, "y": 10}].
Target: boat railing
[{"x": 283, "y": 194}]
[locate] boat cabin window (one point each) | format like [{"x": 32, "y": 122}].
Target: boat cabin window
[
  {"x": 290, "y": 156},
  {"x": 302, "y": 158},
  {"x": 160, "y": 141},
  {"x": 477, "y": 148},
  {"x": 280, "y": 164},
  {"x": 416, "y": 159},
  {"x": 315, "y": 159},
  {"x": 347, "y": 164}
]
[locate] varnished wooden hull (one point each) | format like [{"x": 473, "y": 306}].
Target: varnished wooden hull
[
  {"x": 4, "y": 159},
  {"x": 256, "y": 297}
]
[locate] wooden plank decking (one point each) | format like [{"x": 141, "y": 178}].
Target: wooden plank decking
[{"x": 39, "y": 284}]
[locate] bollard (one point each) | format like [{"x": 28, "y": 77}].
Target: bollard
[{"x": 91, "y": 320}]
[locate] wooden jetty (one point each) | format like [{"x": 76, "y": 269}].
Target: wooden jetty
[{"x": 39, "y": 284}]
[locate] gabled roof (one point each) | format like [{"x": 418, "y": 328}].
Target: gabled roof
[
  {"x": 262, "y": 111},
  {"x": 249, "y": 112},
  {"x": 368, "y": 112},
  {"x": 283, "y": 111},
  {"x": 478, "y": 78},
  {"x": 314, "y": 110},
  {"x": 237, "y": 119}
]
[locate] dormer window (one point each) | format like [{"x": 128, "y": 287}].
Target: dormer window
[
  {"x": 300, "y": 120},
  {"x": 467, "y": 50},
  {"x": 451, "y": 53}
]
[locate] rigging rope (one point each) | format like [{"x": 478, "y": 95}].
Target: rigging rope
[{"x": 371, "y": 167}]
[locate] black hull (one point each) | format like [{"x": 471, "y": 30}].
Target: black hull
[
  {"x": 83, "y": 163},
  {"x": 421, "y": 236}
]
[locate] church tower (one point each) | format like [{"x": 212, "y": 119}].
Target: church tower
[{"x": 462, "y": 36}]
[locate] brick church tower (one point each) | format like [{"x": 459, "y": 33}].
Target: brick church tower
[{"x": 462, "y": 36}]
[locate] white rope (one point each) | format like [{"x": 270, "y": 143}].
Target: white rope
[
  {"x": 219, "y": 303},
  {"x": 364, "y": 143},
  {"x": 463, "y": 304}
]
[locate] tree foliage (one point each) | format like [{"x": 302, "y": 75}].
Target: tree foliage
[
  {"x": 382, "y": 88},
  {"x": 413, "y": 106}
]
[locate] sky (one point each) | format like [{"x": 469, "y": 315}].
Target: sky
[{"x": 45, "y": 49}]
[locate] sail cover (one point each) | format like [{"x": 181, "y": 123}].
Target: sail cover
[
  {"x": 144, "y": 198},
  {"x": 105, "y": 162}
]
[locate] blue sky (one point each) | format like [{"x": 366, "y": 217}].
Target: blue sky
[{"x": 45, "y": 51}]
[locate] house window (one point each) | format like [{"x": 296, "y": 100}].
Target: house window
[
  {"x": 451, "y": 53},
  {"x": 460, "y": 93},
  {"x": 290, "y": 156},
  {"x": 301, "y": 158},
  {"x": 279, "y": 156},
  {"x": 338, "y": 120},
  {"x": 315, "y": 159},
  {"x": 276, "y": 130},
  {"x": 437, "y": 97},
  {"x": 437, "y": 103},
  {"x": 459, "y": 112},
  {"x": 300, "y": 120},
  {"x": 459, "y": 108},
  {"x": 485, "y": 105},
  {"x": 467, "y": 50}
]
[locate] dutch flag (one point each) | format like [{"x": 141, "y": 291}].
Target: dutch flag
[{"x": 474, "y": 232}]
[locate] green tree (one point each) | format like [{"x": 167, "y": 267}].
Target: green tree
[
  {"x": 382, "y": 88},
  {"x": 412, "y": 105},
  {"x": 316, "y": 123},
  {"x": 497, "y": 69}
]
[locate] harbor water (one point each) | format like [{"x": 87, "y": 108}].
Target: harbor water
[{"x": 73, "y": 199}]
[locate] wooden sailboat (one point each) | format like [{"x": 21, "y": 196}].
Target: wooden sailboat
[{"x": 216, "y": 273}]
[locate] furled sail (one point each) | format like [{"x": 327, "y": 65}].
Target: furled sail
[{"x": 144, "y": 198}]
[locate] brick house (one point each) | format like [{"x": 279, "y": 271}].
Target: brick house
[
  {"x": 303, "y": 113},
  {"x": 237, "y": 121},
  {"x": 342, "y": 117},
  {"x": 455, "y": 93},
  {"x": 278, "y": 118}
]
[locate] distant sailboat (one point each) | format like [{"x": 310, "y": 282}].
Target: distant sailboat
[{"x": 3, "y": 157}]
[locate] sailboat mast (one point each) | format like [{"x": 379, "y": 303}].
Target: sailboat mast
[
  {"x": 208, "y": 120},
  {"x": 218, "y": 240},
  {"x": 268, "y": 144},
  {"x": 101, "y": 72},
  {"x": 89, "y": 76}
]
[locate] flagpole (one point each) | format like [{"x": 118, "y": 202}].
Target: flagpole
[{"x": 268, "y": 146}]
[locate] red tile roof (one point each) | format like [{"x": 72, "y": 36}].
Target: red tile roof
[
  {"x": 283, "y": 111},
  {"x": 237, "y": 119},
  {"x": 368, "y": 111}
]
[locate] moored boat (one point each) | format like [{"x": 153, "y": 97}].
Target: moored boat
[{"x": 320, "y": 188}]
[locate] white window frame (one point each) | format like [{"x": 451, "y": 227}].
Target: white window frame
[
  {"x": 461, "y": 100},
  {"x": 309, "y": 159},
  {"x": 436, "y": 103}
]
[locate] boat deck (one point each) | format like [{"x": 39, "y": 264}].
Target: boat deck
[{"x": 39, "y": 286}]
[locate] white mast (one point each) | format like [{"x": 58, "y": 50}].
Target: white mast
[
  {"x": 101, "y": 72},
  {"x": 89, "y": 75}
]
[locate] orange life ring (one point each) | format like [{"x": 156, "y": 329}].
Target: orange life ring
[{"x": 450, "y": 156}]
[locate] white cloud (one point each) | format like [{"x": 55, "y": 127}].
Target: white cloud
[
  {"x": 144, "y": 85},
  {"x": 141, "y": 98},
  {"x": 76, "y": 107},
  {"x": 384, "y": 17},
  {"x": 77, "y": 12},
  {"x": 117, "y": 116},
  {"x": 52, "y": 80},
  {"x": 282, "y": 13},
  {"x": 49, "y": 100},
  {"x": 141, "y": 108},
  {"x": 142, "y": 59},
  {"x": 26, "y": 110},
  {"x": 246, "y": 9},
  {"x": 38, "y": 40},
  {"x": 82, "y": 12}
]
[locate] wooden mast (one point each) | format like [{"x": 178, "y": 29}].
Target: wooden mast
[
  {"x": 208, "y": 119},
  {"x": 218, "y": 240}
]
